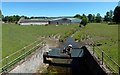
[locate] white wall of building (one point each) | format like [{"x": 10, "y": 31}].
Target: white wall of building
[{"x": 34, "y": 23}]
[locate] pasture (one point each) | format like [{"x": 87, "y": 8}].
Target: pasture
[
  {"x": 15, "y": 37},
  {"x": 104, "y": 34}
]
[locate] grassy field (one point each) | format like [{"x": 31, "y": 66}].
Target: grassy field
[
  {"x": 104, "y": 34},
  {"x": 15, "y": 37}
]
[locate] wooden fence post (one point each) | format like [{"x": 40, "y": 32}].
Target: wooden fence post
[
  {"x": 93, "y": 49},
  {"x": 119, "y": 70},
  {"x": 102, "y": 57},
  {"x": 7, "y": 62},
  {"x": 24, "y": 53}
]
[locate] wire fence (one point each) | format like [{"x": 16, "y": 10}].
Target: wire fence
[
  {"x": 12, "y": 59},
  {"x": 103, "y": 57},
  {"x": 19, "y": 55}
]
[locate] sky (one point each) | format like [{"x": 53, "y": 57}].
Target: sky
[
  {"x": 59, "y": 0},
  {"x": 53, "y": 9}
]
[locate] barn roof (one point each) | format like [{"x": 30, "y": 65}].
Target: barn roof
[
  {"x": 34, "y": 20},
  {"x": 23, "y": 20},
  {"x": 74, "y": 20},
  {"x": 56, "y": 19}
]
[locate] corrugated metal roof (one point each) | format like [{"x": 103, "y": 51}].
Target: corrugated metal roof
[
  {"x": 72, "y": 19},
  {"x": 75, "y": 20},
  {"x": 40, "y": 19},
  {"x": 56, "y": 19},
  {"x": 33, "y": 20}
]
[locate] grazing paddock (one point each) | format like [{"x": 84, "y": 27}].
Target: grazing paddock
[
  {"x": 104, "y": 35},
  {"x": 15, "y": 37}
]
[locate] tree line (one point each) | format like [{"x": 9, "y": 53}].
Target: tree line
[{"x": 110, "y": 16}]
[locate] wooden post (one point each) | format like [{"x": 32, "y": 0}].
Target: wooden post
[
  {"x": 119, "y": 70},
  {"x": 102, "y": 57},
  {"x": 24, "y": 54},
  {"x": 6, "y": 62},
  {"x": 93, "y": 49}
]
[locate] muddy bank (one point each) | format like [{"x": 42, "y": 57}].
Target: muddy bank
[{"x": 52, "y": 42}]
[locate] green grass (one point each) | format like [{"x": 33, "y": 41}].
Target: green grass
[
  {"x": 15, "y": 37},
  {"x": 102, "y": 33},
  {"x": 0, "y": 41}
]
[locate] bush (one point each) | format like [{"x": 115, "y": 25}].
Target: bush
[{"x": 83, "y": 22}]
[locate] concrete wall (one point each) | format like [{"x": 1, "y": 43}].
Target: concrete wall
[
  {"x": 31, "y": 63},
  {"x": 85, "y": 65},
  {"x": 92, "y": 64}
]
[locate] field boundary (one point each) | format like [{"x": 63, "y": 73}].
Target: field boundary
[
  {"x": 35, "y": 45},
  {"x": 103, "y": 57}
]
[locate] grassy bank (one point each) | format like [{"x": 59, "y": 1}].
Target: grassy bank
[{"x": 104, "y": 34}]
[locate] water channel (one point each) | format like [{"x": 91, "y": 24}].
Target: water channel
[{"x": 78, "y": 65}]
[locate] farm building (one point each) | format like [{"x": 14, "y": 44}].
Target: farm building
[
  {"x": 59, "y": 21},
  {"x": 65, "y": 21},
  {"x": 23, "y": 21},
  {"x": 75, "y": 20}
]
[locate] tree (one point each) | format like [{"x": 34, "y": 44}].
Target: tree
[
  {"x": 0, "y": 14},
  {"x": 17, "y": 17},
  {"x": 32, "y": 17},
  {"x": 84, "y": 20},
  {"x": 90, "y": 17},
  {"x": 77, "y": 16},
  {"x": 13, "y": 19},
  {"x": 98, "y": 18},
  {"x": 116, "y": 17},
  {"x": 107, "y": 17},
  {"x": 5, "y": 19},
  {"x": 111, "y": 15},
  {"x": 93, "y": 18}
]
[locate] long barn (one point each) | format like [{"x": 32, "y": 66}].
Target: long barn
[
  {"x": 24, "y": 21},
  {"x": 65, "y": 21}
]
